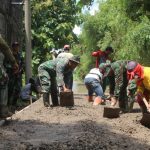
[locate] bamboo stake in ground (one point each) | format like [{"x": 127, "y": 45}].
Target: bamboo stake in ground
[{"x": 146, "y": 103}]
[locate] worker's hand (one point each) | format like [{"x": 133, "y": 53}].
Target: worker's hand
[
  {"x": 66, "y": 89},
  {"x": 113, "y": 101}
]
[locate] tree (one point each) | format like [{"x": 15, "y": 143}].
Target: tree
[
  {"x": 113, "y": 25},
  {"x": 52, "y": 25}
]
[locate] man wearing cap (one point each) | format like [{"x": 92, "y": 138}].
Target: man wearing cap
[
  {"x": 68, "y": 78},
  {"x": 51, "y": 74},
  {"x": 66, "y": 53},
  {"x": 119, "y": 88},
  {"x": 141, "y": 75},
  {"x": 5, "y": 53}
]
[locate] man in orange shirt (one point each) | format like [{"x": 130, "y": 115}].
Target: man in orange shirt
[{"x": 142, "y": 76}]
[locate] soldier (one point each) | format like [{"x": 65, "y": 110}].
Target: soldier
[
  {"x": 51, "y": 70},
  {"x": 5, "y": 53},
  {"x": 15, "y": 80},
  {"x": 119, "y": 71}
]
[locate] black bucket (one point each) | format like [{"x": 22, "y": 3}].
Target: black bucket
[{"x": 111, "y": 112}]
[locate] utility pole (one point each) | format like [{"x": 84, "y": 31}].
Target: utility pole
[{"x": 28, "y": 54}]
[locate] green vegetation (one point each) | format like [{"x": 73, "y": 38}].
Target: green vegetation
[
  {"x": 52, "y": 25},
  {"x": 122, "y": 24}
]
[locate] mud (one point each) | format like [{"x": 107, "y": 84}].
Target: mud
[{"x": 81, "y": 127}]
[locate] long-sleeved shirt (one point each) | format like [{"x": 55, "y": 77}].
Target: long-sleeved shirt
[
  {"x": 6, "y": 51},
  {"x": 101, "y": 57},
  {"x": 119, "y": 69},
  {"x": 57, "y": 68}
]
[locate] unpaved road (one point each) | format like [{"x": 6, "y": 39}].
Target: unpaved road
[{"x": 81, "y": 127}]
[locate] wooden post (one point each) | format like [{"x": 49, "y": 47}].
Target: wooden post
[{"x": 28, "y": 56}]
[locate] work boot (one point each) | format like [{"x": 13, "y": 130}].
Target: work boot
[
  {"x": 46, "y": 99},
  {"x": 4, "y": 112},
  {"x": 90, "y": 98}
]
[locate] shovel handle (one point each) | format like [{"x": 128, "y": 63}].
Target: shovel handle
[
  {"x": 145, "y": 102},
  {"x": 147, "y": 105}
]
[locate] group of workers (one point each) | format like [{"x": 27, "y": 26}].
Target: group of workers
[
  {"x": 57, "y": 75},
  {"x": 11, "y": 70},
  {"x": 53, "y": 76},
  {"x": 128, "y": 82}
]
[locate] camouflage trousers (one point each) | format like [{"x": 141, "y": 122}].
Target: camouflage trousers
[
  {"x": 48, "y": 83},
  {"x": 3, "y": 95},
  {"x": 3, "y": 86},
  {"x": 123, "y": 98},
  {"x": 14, "y": 88}
]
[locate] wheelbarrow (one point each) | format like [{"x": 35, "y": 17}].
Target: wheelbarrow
[{"x": 111, "y": 112}]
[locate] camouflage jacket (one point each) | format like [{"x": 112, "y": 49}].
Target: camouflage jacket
[
  {"x": 119, "y": 68},
  {"x": 4, "y": 48},
  {"x": 57, "y": 68}
]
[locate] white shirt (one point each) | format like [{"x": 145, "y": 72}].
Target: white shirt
[
  {"x": 65, "y": 55},
  {"x": 94, "y": 73}
]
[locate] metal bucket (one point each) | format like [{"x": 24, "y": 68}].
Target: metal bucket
[
  {"x": 111, "y": 112},
  {"x": 66, "y": 98}
]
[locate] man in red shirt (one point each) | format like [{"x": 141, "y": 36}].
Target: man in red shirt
[{"x": 102, "y": 56}]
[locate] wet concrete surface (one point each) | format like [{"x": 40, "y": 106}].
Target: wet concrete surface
[{"x": 81, "y": 127}]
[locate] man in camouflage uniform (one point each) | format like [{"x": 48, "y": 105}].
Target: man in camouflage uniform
[
  {"x": 51, "y": 74},
  {"x": 15, "y": 80},
  {"x": 119, "y": 71},
  {"x": 5, "y": 53}
]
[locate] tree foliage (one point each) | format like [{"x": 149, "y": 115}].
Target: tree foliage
[
  {"x": 52, "y": 25},
  {"x": 122, "y": 24}
]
